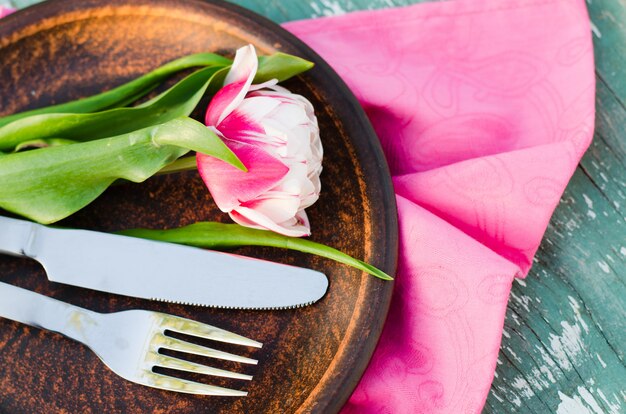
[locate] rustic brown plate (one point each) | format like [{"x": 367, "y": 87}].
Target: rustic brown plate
[{"x": 313, "y": 357}]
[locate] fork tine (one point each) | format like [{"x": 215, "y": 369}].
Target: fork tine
[
  {"x": 167, "y": 361},
  {"x": 166, "y": 382},
  {"x": 167, "y": 342},
  {"x": 202, "y": 330}
]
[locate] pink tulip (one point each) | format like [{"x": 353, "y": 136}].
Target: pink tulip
[{"x": 275, "y": 134}]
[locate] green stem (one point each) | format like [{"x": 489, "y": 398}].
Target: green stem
[{"x": 213, "y": 235}]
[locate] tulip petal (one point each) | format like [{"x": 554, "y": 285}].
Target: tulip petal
[
  {"x": 221, "y": 100},
  {"x": 242, "y": 122},
  {"x": 258, "y": 107},
  {"x": 297, "y": 227},
  {"x": 268, "y": 84},
  {"x": 278, "y": 208},
  {"x": 229, "y": 185},
  {"x": 237, "y": 84},
  {"x": 244, "y": 65}
]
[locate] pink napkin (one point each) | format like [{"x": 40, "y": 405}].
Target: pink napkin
[{"x": 484, "y": 109}]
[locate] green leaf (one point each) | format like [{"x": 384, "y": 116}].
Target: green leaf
[
  {"x": 179, "y": 100},
  {"x": 49, "y": 184},
  {"x": 128, "y": 92},
  {"x": 183, "y": 164},
  {"x": 58, "y": 121},
  {"x": 280, "y": 66},
  {"x": 213, "y": 235}
]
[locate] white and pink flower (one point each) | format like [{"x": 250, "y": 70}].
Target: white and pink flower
[{"x": 275, "y": 134}]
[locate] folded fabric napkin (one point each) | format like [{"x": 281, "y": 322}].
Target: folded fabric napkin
[{"x": 483, "y": 109}]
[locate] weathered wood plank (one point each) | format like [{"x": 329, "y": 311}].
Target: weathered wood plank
[{"x": 609, "y": 27}]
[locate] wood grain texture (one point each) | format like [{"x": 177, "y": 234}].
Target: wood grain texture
[
  {"x": 563, "y": 346},
  {"x": 316, "y": 353}
]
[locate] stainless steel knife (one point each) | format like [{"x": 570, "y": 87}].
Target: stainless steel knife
[{"x": 160, "y": 271}]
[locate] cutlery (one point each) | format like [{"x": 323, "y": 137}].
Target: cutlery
[
  {"x": 129, "y": 342},
  {"x": 160, "y": 271}
]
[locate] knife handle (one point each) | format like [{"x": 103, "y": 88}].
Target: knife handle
[{"x": 16, "y": 236}]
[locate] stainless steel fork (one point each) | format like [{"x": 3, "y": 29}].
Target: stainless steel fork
[{"x": 128, "y": 342}]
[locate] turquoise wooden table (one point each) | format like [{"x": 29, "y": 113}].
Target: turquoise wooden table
[{"x": 563, "y": 346}]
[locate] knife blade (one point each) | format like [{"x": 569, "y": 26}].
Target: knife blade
[{"x": 160, "y": 271}]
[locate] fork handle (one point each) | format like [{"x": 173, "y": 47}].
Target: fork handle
[{"x": 40, "y": 311}]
